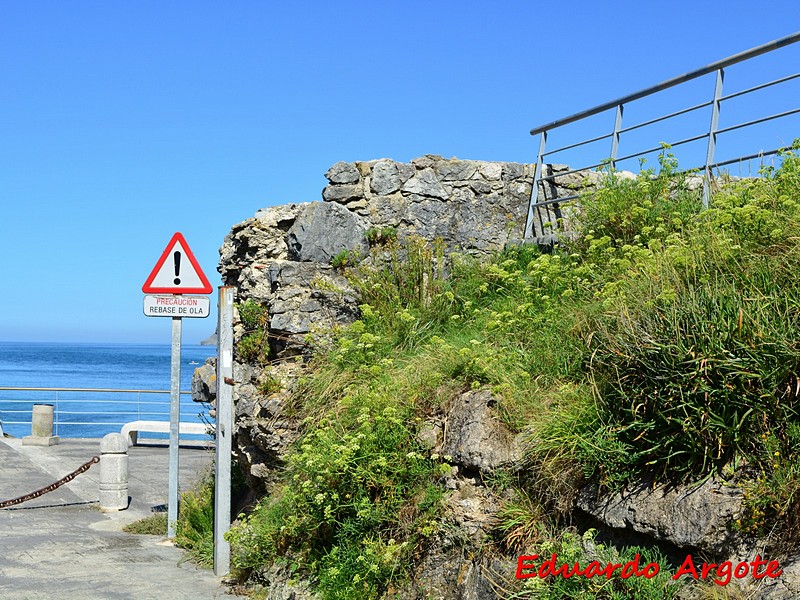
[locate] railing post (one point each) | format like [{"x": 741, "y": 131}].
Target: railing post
[
  {"x": 537, "y": 177},
  {"x": 712, "y": 136},
  {"x": 615, "y": 136}
]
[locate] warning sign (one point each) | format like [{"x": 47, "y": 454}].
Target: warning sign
[{"x": 177, "y": 271}]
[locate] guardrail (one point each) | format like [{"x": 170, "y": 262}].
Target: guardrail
[
  {"x": 538, "y": 221},
  {"x": 88, "y": 412}
]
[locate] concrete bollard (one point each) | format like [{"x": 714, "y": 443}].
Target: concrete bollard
[
  {"x": 41, "y": 427},
  {"x": 114, "y": 472}
]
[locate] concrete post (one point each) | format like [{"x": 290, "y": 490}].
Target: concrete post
[
  {"x": 114, "y": 472},
  {"x": 41, "y": 427}
]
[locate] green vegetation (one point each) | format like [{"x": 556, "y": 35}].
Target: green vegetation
[
  {"x": 269, "y": 384},
  {"x": 253, "y": 347},
  {"x": 571, "y": 548},
  {"x": 194, "y": 530},
  {"x": 663, "y": 344},
  {"x": 155, "y": 524},
  {"x": 380, "y": 236}
]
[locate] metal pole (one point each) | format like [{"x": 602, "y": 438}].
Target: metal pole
[
  {"x": 615, "y": 136},
  {"x": 222, "y": 479},
  {"x": 174, "y": 426},
  {"x": 530, "y": 227},
  {"x": 712, "y": 137}
]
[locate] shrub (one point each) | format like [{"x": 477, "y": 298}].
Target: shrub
[
  {"x": 356, "y": 501},
  {"x": 380, "y": 236},
  {"x": 194, "y": 530},
  {"x": 571, "y": 548},
  {"x": 650, "y": 206},
  {"x": 253, "y": 347},
  {"x": 153, "y": 525}
]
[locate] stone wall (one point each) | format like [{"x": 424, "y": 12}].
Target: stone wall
[{"x": 282, "y": 256}]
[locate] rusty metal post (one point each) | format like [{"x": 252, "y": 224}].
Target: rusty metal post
[{"x": 224, "y": 432}]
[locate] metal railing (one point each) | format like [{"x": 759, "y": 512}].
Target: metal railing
[
  {"x": 539, "y": 201},
  {"x": 90, "y": 412}
]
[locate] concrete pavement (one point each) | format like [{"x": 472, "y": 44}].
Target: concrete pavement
[{"x": 61, "y": 545}]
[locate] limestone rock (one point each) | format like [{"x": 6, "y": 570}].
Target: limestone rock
[
  {"x": 456, "y": 170},
  {"x": 323, "y": 231},
  {"x": 282, "y": 584},
  {"x": 474, "y": 436},
  {"x": 281, "y": 260},
  {"x": 430, "y": 435},
  {"x": 687, "y": 516},
  {"x": 785, "y": 587},
  {"x": 425, "y": 183},
  {"x": 447, "y": 574},
  {"x": 252, "y": 243},
  {"x": 491, "y": 171},
  {"x": 263, "y": 431},
  {"x": 343, "y": 172},
  {"x": 388, "y": 177},
  {"x": 342, "y": 193},
  {"x": 472, "y": 206},
  {"x": 204, "y": 382}
]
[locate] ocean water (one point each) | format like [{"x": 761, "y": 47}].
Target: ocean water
[{"x": 94, "y": 366}]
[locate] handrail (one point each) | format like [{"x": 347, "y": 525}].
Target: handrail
[
  {"x": 664, "y": 85},
  {"x": 76, "y": 409},
  {"x": 553, "y": 217},
  {"x": 58, "y": 389}
]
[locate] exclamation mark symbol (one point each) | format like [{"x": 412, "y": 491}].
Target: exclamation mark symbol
[{"x": 176, "y": 257}]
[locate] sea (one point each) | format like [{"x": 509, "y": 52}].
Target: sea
[{"x": 137, "y": 368}]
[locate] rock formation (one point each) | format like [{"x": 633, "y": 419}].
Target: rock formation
[{"x": 282, "y": 259}]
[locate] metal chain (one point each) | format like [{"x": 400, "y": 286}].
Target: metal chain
[{"x": 53, "y": 486}]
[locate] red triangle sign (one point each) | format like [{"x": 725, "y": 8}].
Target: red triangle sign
[{"x": 177, "y": 271}]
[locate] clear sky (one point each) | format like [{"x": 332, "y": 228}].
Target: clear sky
[{"x": 124, "y": 122}]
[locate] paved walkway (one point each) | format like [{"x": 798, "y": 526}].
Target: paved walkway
[{"x": 61, "y": 545}]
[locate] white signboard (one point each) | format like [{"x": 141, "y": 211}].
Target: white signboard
[{"x": 177, "y": 306}]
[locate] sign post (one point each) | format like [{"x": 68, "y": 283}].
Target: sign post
[
  {"x": 176, "y": 273},
  {"x": 222, "y": 479},
  {"x": 174, "y": 426}
]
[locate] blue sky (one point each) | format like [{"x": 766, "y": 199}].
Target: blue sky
[{"x": 124, "y": 122}]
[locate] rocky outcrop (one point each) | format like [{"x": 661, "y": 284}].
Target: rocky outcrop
[
  {"x": 282, "y": 259},
  {"x": 204, "y": 382},
  {"x": 688, "y": 516},
  {"x": 475, "y": 438},
  {"x": 270, "y": 259}
]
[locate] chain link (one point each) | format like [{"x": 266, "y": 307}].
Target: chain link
[{"x": 53, "y": 486}]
